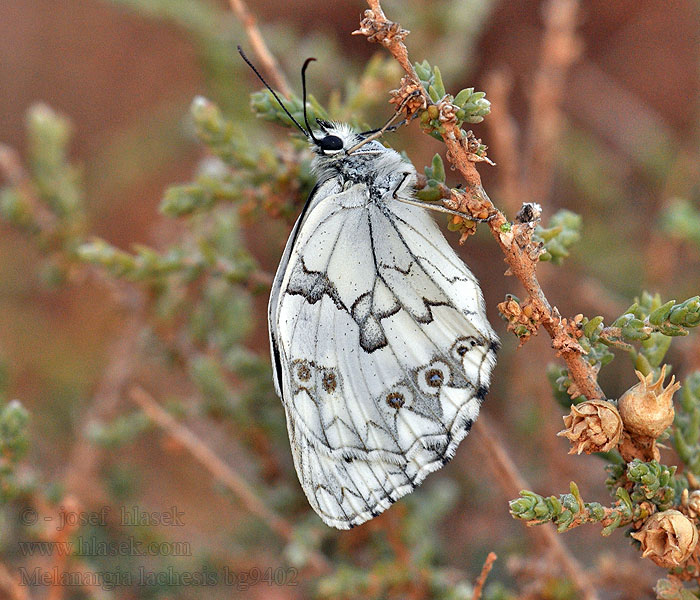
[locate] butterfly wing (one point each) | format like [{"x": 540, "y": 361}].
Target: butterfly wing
[{"x": 383, "y": 352}]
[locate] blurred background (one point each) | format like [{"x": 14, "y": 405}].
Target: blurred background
[{"x": 594, "y": 109}]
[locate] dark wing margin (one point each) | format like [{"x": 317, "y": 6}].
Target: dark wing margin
[{"x": 277, "y": 284}]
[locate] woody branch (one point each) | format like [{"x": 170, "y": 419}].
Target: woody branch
[{"x": 521, "y": 254}]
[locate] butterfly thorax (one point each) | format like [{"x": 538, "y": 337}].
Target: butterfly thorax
[{"x": 380, "y": 169}]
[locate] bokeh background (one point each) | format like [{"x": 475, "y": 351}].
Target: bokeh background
[{"x": 612, "y": 136}]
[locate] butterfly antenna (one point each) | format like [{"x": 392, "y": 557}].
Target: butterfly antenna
[
  {"x": 303, "y": 93},
  {"x": 373, "y": 135},
  {"x": 284, "y": 108}
]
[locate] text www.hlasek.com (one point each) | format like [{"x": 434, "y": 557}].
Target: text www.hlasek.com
[{"x": 93, "y": 547}]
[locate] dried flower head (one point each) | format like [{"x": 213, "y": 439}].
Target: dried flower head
[
  {"x": 647, "y": 408},
  {"x": 523, "y": 319},
  {"x": 410, "y": 95},
  {"x": 592, "y": 426},
  {"x": 692, "y": 503},
  {"x": 668, "y": 538},
  {"x": 446, "y": 111},
  {"x": 379, "y": 29}
]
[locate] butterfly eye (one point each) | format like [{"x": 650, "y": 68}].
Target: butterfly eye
[{"x": 331, "y": 144}]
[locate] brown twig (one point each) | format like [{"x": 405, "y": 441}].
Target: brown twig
[
  {"x": 512, "y": 482},
  {"x": 60, "y": 537},
  {"x": 259, "y": 47},
  {"x": 560, "y": 49},
  {"x": 514, "y": 241},
  {"x": 12, "y": 170},
  {"x": 481, "y": 580},
  {"x": 222, "y": 472},
  {"x": 82, "y": 467}
]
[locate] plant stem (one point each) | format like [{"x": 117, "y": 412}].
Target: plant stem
[
  {"x": 259, "y": 47},
  {"x": 485, "y": 570},
  {"x": 512, "y": 482},
  {"x": 222, "y": 472},
  {"x": 516, "y": 247}
]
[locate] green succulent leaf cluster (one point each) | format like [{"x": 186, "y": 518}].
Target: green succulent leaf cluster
[
  {"x": 564, "y": 231},
  {"x": 686, "y": 433},
  {"x": 597, "y": 351},
  {"x": 266, "y": 107},
  {"x": 673, "y": 589},
  {"x": 653, "y": 482},
  {"x": 632, "y": 485},
  {"x": 681, "y": 219},
  {"x": 435, "y": 174},
  {"x": 653, "y": 324},
  {"x": 648, "y": 316},
  {"x": 119, "y": 431},
  {"x": 560, "y": 381},
  {"x": 239, "y": 171},
  {"x": 470, "y": 106},
  {"x": 569, "y": 510},
  {"x": 645, "y": 330},
  {"x": 14, "y": 442},
  {"x": 47, "y": 201}
]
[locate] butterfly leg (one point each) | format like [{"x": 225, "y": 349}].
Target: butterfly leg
[{"x": 434, "y": 206}]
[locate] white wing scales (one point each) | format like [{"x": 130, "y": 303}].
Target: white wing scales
[{"x": 383, "y": 351}]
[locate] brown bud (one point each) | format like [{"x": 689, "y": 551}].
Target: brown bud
[
  {"x": 592, "y": 426},
  {"x": 693, "y": 503},
  {"x": 647, "y": 408},
  {"x": 410, "y": 95},
  {"x": 668, "y": 538},
  {"x": 378, "y": 29},
  {"x": 446, "y": 111}
]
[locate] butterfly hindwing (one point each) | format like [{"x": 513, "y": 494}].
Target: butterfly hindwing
[{"x": 382, "y": 347}]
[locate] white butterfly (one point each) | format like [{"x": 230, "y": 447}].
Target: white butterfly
[{"x": 381, "y": 350}]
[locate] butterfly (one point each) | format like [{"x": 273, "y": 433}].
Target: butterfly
[{"x": 381, "y": 349}]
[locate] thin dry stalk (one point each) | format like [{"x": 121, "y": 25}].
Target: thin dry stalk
[
  {"x": 485, "y": 570},
  {"x": 514, "y": 241},
  {"x": 259, "y": 47},
  {"x": 560, "y": 49},
  {"x": 512, "y": 482},
  {"x": 81, "y": 469},
  {"x": 222, "y": 472},
  {"x": 13, "y": 171},
  {"x": 60, "y": 537},
  {"x": 81, "y": 473}
]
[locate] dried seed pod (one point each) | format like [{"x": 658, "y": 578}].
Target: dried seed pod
[
  {"x": 410, "y": 95},
  {"x": 592, "y": 426},
  {"x": 693, "y": 504},
  {"x": 647, "y": 408},
  {"x": 668, "y": 538}
]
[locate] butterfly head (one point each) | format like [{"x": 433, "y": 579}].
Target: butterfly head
[
  {"x": 333, "y": 138},
  {"x": 339, "y": 140}
]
